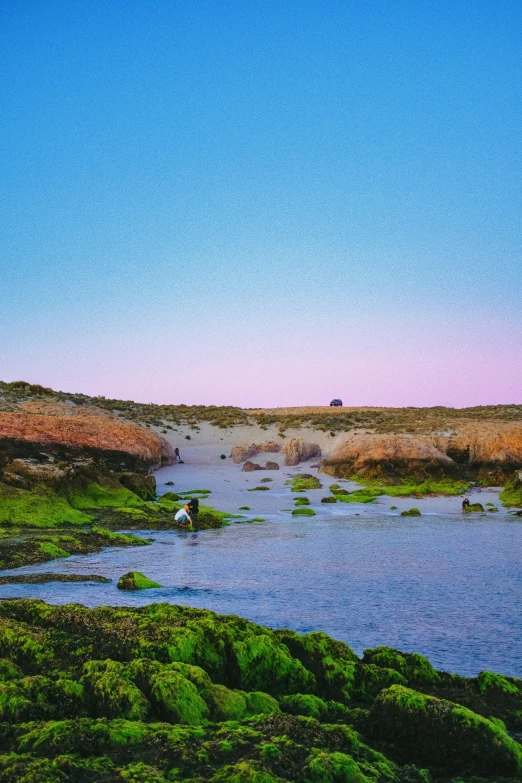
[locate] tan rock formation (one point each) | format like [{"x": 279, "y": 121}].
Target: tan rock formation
[
  {"x": 269, "y": 446},
  {"x": 241, "y": 453},
  {"x": 388, "y": 456},
  {"x": 78, "y": 431},
  {"x": 296, "y": 450},
  {"x": 492, "y": 442},
  {"x": 271, "y": 466},
  {"x": 248, "y": 467}
]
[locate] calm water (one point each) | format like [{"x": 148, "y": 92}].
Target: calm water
[{"x": 445, "y": 586}]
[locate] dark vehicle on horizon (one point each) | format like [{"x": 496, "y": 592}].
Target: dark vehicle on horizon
[{"x": 336, "y": 404}]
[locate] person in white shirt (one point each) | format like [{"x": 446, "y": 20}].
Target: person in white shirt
[{"x": 183, "y": 517}]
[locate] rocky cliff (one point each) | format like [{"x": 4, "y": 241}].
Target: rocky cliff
[
  {"x": 50, "y": 432},
  {"x": 489, "y": 452}
]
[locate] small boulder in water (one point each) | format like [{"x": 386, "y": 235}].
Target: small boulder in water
[
  {"x": 473, "y": 507},
  {"x": 413, "y": 512},
  {"x": 134, "y": 580},
  {"x": 170, "y": 496}
]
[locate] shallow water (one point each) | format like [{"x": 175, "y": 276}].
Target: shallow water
[{"x": 443, "y": 585}]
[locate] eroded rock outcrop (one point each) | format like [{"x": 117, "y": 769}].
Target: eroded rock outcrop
[
  {"x": 493, "y": 451},
  {"x": 243, "y": 452},
  {"x": 490, "y": 454},
  {"x": 66, "y": 432},
  {"x": 297, "y": 450},
  {"x": 269, "y": 446},
  {"x": 388, "y": 457}
]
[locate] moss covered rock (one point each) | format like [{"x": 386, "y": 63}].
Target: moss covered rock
[
  {"x": 445, "y": 736},
  {"x": 163, "y": 693},
  {"x": 473, "y": 508},
  {"x": 412, "y": 512},
  {"x": 135, "y": 580},
  {"x": 170, "y": 496},
  {"x": 142, "y": 486}
]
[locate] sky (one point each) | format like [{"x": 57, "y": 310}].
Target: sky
[{"x": 263, "y": 203}]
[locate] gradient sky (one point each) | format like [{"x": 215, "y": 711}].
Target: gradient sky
[{"x": 263, "y": 203}]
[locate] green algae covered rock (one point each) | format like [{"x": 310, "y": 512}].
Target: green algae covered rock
[
  {"x": 473, "y": 508},
  {"x": 302, "y": 502},
  {"x": 96, "y": 495},
  {"x": 134, "y": 580},
  {"x": 304, "y": 704},
  {"x": 263, "y": 664},
  {"x": 413, "y": 512},
  {"x": 329, "y": 499},
  {"x": 166, "y": 693},
  {"x": 511, "y": 495},
  {"x": 414, "y": 668},
  {"x": 370, "y": 680},
  {"x": 331, "y": 662},
  {"x": 142, "y": 486},
  {"x": 112, "y": 692},
  {"x": 303, "y": 512},
  {"x": 170, "y": 496},
  {"x": 38, "y": 507},
  {"x": 40, "y": 548},
  {"x": 324, "y": 767},
  {"x": 303, "y": 482},
  {"x": 177, "y": 699},
  {"x": 442, "y": 735}
]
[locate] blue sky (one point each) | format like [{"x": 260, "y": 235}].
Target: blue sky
[{"x": 263, "y": 203}]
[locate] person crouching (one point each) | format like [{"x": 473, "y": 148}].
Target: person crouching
[{"x": 183, "y": 517}]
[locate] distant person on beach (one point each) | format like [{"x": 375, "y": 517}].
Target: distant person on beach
[
  {"x": 465, "y": 504},
  {"x": 183, "y": 517},
  {"x": 177, "y": 458}
]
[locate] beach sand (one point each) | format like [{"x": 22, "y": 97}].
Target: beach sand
[{"x": 203, "y": 468}]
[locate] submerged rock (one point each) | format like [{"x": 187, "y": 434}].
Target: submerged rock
[
  {"x": 36, "y": 579},
  {"x": 135, "y": 580},
  {"x": 473, "y": 508},
  {"x": 170, "y": 496}
]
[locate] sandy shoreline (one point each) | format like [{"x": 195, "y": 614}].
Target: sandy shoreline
[{"x": 203, "y": 468}]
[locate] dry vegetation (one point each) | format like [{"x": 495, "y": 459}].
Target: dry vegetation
[{"x": 379, "y": 420}]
